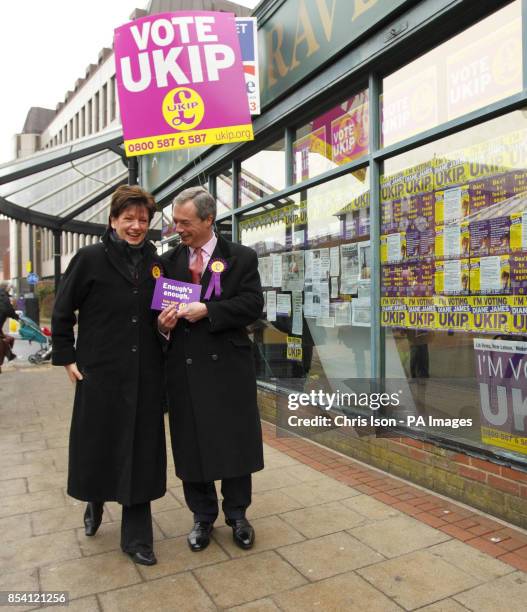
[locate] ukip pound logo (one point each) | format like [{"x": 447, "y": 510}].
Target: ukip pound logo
[{"x": 183, "y": 108}]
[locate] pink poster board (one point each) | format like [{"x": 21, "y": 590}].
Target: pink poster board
[{"x": 180, "y": 82}]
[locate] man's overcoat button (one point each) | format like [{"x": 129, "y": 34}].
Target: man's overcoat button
[{"x": 189, "y": 361}]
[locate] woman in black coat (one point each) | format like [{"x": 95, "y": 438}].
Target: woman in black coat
[{"x": 117, "y": 440}]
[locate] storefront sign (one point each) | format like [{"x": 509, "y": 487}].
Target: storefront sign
[
  {"x": 501, "y": 372},
  {"x": 180, "y": 82},
  {"x": 302, "y": 35}
]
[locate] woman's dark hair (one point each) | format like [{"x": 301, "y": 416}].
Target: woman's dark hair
[{"x": 131, "y": 195}]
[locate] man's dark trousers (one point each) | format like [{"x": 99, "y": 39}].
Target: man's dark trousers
[{"x": 202, "y": 499}]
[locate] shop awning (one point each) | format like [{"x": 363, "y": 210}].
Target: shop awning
[{"x": 68, "y": 188}]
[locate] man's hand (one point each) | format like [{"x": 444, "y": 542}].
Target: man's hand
[
  {"x": 193, "y": 312},
  {"x": 73, "y": 372},
  {"x": 167, "y": 319}
]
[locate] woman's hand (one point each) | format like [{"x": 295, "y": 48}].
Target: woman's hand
[
  {"x": 167, "y": 319},
  {"x": 73, "y": 372}
]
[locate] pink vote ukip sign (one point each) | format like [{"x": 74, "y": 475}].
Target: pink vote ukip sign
[{"x": 180, "y": 82}]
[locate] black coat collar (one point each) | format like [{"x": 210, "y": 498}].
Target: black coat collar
[{"x": 117, "y": 257}]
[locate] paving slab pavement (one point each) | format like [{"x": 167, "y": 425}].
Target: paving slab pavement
[{"x": 325, "y": 540}]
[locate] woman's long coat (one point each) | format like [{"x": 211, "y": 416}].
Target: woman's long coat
[
  {"x": 214, "y": 420},
  {"x": 117, "y": 439}
]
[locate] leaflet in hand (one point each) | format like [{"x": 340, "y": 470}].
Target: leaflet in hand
[{"x": 172, "y": 292}]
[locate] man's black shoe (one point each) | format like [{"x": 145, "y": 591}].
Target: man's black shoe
[
  {"x": 11, "y": 356},
  {"x": 92, "y": 517},
  {"x": 242, "y": 532},
  {"x": 143, "y": 558},
  {"x": 199, "y": 537}
]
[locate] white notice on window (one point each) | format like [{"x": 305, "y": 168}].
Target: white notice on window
[
  {"x": 271, "y": 305},
  {"x": 489, "y": 270},
  {"x": 298, "y": 237},
  {"x": 308, "y": 267},
  {"x": 349, "y": 254},
  {"x": 334, "y": 287},
  {"x": 265, "y": 268},
  {"x": 324, "y": 299},
  {"x": 308, "y": 304},
  {"x": 293, "y": 271},
  {"x": 334, "y": 256},
  {"x": 343, "y": 313},
  {"x": 452, "y": 204},
  {"x": 297, "y": 313},
  {"x": 277, "y": 270},
  {"x": 393, "y": 243},
  {"x": 361, "y": 312},
  {"x": 324, "y": 264},
  {"x": 325, "y": 321},
  {"x": 316, "y": 267},
  {"x": 316, "y": 299},
  {"x": 524, "y": 230},
  {"x": 452, "y": 240},
  {"x": 452, "y": 276},
  {"x": 283, "y": 304}
]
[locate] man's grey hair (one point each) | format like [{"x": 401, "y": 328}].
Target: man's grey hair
[{"x": 204, "y": 202}]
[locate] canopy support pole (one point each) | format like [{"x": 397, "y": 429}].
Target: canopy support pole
[{"x": 56, "y": 256}]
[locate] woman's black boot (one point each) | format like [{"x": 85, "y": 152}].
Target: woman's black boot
[{"x": 92, "y": 517}]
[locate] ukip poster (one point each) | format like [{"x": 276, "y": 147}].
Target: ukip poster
[
  {"x": 180, "y": 82},
  {"x": 501, "y": 373}
]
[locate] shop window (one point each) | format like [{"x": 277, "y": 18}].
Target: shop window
[
  {"x": 224, "y": 228},
  {"x": 481, "y": 65},
  {"x": 314, "y": 261},
  {"x": 454, "y": 283},
  {"x": 158, "y": 168},
  {"x": 224, "y": 191},
  {"x": 262, "y": 174},
  {"x": 332, "y": 139}
]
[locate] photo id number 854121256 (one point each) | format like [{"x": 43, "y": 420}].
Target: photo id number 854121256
[{"x": 25, "y": 598}]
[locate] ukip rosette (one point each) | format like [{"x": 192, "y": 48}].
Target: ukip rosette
[
  {"x": 180, "y": 82},
  {"x": 216, "y": 266},
  {"x": 156, "y": 271}
]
